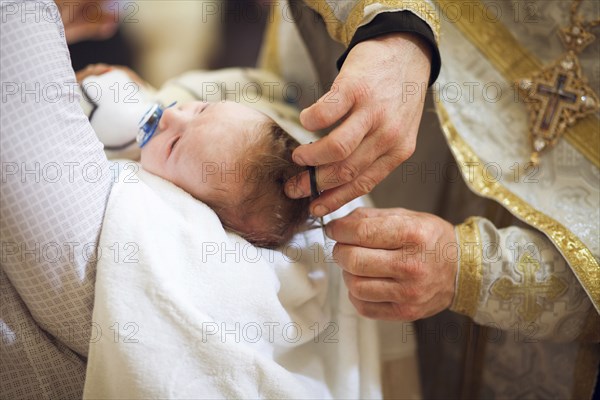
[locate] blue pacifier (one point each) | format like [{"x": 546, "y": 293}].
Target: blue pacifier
[{"x": 148, "y": 125}]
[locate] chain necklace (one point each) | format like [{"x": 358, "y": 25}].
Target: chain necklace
[{"x": 558, "y": 96}]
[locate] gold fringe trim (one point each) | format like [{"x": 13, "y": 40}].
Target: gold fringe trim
[
  {"x": 513, "y": 61},
  {"x": 470, "y": 272},
  {"x": 579, "y": 257}
]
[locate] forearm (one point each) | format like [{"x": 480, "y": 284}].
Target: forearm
[
  {"x": 55, "y": 178},
  {"x": 515, "y": 279}
]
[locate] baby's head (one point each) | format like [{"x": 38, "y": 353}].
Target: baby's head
[{"x": 236, "y": 160}]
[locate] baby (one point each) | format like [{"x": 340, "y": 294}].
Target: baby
[{"x": 233, "y": 158}]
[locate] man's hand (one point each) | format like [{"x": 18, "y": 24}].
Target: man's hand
[
  {"x": 87, "y": 20},
  {"x": 398, "y": 264},
  {"x": 99, "y": 69},
  {"x": 377, "y": 100}
]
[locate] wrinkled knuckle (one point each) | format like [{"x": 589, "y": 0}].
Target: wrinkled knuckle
[
  {"x": 396, "y": 263},
  {"x": 365, "y": 185},
  {"x": 379, "y": 113},
  {"x": 318, "y": 114},
  {"x": 408, "y": 149},
  {"x": 367, "y": 121},
  {"x": 395, "y": 295},
  {"x": 396, "y": 228},
  {"x": 377, "y": 121},
  {"x": 347, "y": 173},
  {"x": 420, "y": 271},
  {"x": 398, "y": 311},
  {"x": 411, "y": 294},
  {"x": 361, "y": 90},
  {"x": 353, "y": 261},
  {"x": 340, "y": 149},
  {"x": 360, "y": 212},
  {"x": 365, "y": 232},
  {"x": 387, "y": 142},
  {"x": 392, "y": 161},
  {"x": 417, "y": 231},
  {"x": 412, "y": 270}
]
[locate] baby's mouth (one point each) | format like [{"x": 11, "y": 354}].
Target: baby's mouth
[{"x": 171, "y": 145}]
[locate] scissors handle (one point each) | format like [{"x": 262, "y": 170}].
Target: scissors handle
[{"x": 314, "y": 190}]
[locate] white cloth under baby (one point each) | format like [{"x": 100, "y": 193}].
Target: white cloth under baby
[{"x": 184, "y": 309}]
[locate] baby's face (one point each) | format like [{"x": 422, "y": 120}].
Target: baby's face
[{"x": 198, "y": 147}]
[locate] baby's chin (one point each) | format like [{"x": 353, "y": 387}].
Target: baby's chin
[{"x": 147, "y": 164}]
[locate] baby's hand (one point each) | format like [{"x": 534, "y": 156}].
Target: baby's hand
[
  {"x": 92, "y": 69},
  {"x": 99, "y": 69}
]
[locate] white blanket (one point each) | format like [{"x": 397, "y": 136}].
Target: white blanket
[{"x": 184, "y": 309}]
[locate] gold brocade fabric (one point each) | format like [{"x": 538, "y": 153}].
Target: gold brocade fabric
[
  {"x": 343, "y": 18},
  {"x": 515, "y": 62},
  {"x": 470, "y": 271},
  {"x": 486, "y": 127},
  {"x": 529, "y": 289},
  {"x": 576, "y": 253},
  {"x": 487, "y": 132}
]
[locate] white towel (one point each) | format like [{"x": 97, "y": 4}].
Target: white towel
[{"x": 184, "y": 309}]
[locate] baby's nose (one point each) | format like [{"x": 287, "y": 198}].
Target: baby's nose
[{"x": 171, "y": 118}]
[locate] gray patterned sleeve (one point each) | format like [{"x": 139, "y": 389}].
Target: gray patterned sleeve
[
  {"x": 55, "y": 177},
  {"x": 514, "y": 279}
]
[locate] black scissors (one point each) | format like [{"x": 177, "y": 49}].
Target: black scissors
[{"x": 315, "y": 193}]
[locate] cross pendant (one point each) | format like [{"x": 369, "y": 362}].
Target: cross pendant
[{"x": 556, "y": 98}]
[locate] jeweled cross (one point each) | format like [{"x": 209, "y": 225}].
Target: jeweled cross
[
  {"x": 529, "y": 289},
  {"x": 556, "y": 95}
]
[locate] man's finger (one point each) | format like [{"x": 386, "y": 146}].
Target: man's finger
[
  {"x": 375, "y": 290},
  {"x": 333, "y": 199},
  {"x": 328, "y": 110},
  {"x": 345, "y": 171},
  {"x": 80, "y": 31},
  {"x": 380, "y": 311},
  {"x": 367, "y": 212},
  {"x": 298, "y": 186},
  {"x": 339, "y": 144},
  {"x": 381, "y": 232},
  {"x": 375, "y": 263}
]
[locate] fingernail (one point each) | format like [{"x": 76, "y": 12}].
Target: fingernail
[
  {"x": 297, "y": 159},
  {"x": 320, "y": 210}
]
